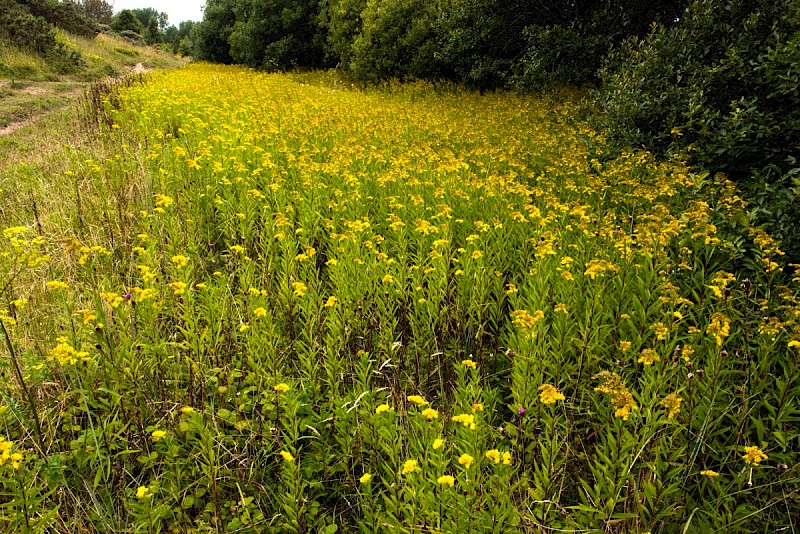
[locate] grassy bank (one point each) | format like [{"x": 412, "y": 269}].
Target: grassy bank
[{"x": 30, "y": 86}]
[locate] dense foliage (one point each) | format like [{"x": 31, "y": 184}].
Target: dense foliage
[
  {"x": 272, "y": 303},
  {"x": 29, "y": 25},
  {"x": 484, "y": 43},
  {"x": 724, "y": 85}
]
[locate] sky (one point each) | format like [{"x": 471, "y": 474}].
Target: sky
[{"x": 176, "y": 10}]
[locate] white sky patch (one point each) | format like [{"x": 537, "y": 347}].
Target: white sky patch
[{"x": 176, "y": 10}]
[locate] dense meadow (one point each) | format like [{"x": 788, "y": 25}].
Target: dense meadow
[{"x": 276, "y": 303}]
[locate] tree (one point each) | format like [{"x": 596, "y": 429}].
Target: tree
[
  {"x": 144, "y": 14},
  {"x": 211, "y": 36},
  {"x": 125, "y": 20},
  {"x": 151, "y": 32},
  {"x": 97, "y": 10},
  {"x": 277, "y": 34}
]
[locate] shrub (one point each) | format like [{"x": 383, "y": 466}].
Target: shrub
[{"x": 722, "y": 84}]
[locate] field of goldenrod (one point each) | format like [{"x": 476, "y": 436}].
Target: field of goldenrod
[{"x": 274, "y": 303}]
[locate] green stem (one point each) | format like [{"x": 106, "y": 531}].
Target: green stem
[{"x": 18, "y": 371}]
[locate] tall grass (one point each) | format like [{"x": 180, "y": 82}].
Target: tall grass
[{"x": 271, "y": 303}]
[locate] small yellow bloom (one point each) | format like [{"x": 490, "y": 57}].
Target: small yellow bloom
[
  {"x": 672, "y": 403},
  {"x": 281, "y": 388},
  {"x": 649, "y": 357},
  {"x": 560, "y": 308},
  {"x": 300, "y": 289},
  {"x": 16, "y": 460},
  {"x": 467, "y": 420},
  {"x": 143, "y": 492},
  {"x": 187, "y": 410},
  {"x": 469, "y": 363},
  {"x": 55, "y": 284},
  {"x": 158, "y": 434},
  {"x": 287, "y": 456},
  {"x": 494, "y": 455},
  {"x": 709, "y": 473},
  {"x": 178, "y": 288},
  {"x": 430, "y": 413},
  {"x": 260, "y": 312},
  {"x": 331, "y": 301},
  {"x": 446, "y": 480},
  {"x": 180, "y": 261},
  {"x": 477, "y": 407},
  {"x": 466, "y": 460},
  {"x": 624, "y": 345},
  {"x": 753, "y": 455},
  {"x": 383, "y": 408},
  {"x": 549, "y": 394},
  {"x": 409, "y": 466},
  {"x": 438, "y": 443},
  {"x": 388, "y": 279},
  {"x": 794, "y": 343},
  {"x": 366, "y": 478},
  {"x": 506, "y": 458},
  {"x": 416, "y": 399}
]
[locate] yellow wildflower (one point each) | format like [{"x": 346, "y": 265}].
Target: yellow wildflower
[
  {"x": 720, "y": 327},
  {"x": 287, "y": 456},
  {"x": 446, "y": 480},
  {"x": 178, "y": 288},
  {"x": 142, "y": 492},
  {"x": 469, "y": 363},
  {"x": 383, "y": 408},
  {"x": 158, "y": 434},
  {"x": 549, "y": 394},
  {"x": 409, "y": 466},
  {"x": 709, "y": 473},
  {"x": 300, "y": 289},
  {"x": 180, "y": 261},
  {"x": 466, "y": 460},
  {"x": 366, "y": 478},
  {"x": 649, "y": 357},
  {"x": 524, "y": 320},
  {"x": 430, "y": 413},
  {"x": 621, "y": 398},
  {"x": 281, "y": 388},
  {"x": 494, "y": 455},
  {"x": 438, "y": 443},
  {"x": 753, "y": 455},
  {"x": 467, "y": 420},
  {"x": 55, "y": 284},
  {"x": 672, "y": 403},
  {"x": 416, "y": 399}
]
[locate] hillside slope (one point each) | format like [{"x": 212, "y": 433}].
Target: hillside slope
[{"x": 31, "y": 85}]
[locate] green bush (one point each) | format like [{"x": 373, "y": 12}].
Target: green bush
[
  {"x": 722, "y": 85},
  {"x": 25, "y": 30}
]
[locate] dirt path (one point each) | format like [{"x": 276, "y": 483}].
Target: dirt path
[{"x": 14, "y": 126}]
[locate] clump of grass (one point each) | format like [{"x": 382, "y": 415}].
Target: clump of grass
[{"x": 263, "y": 305}]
